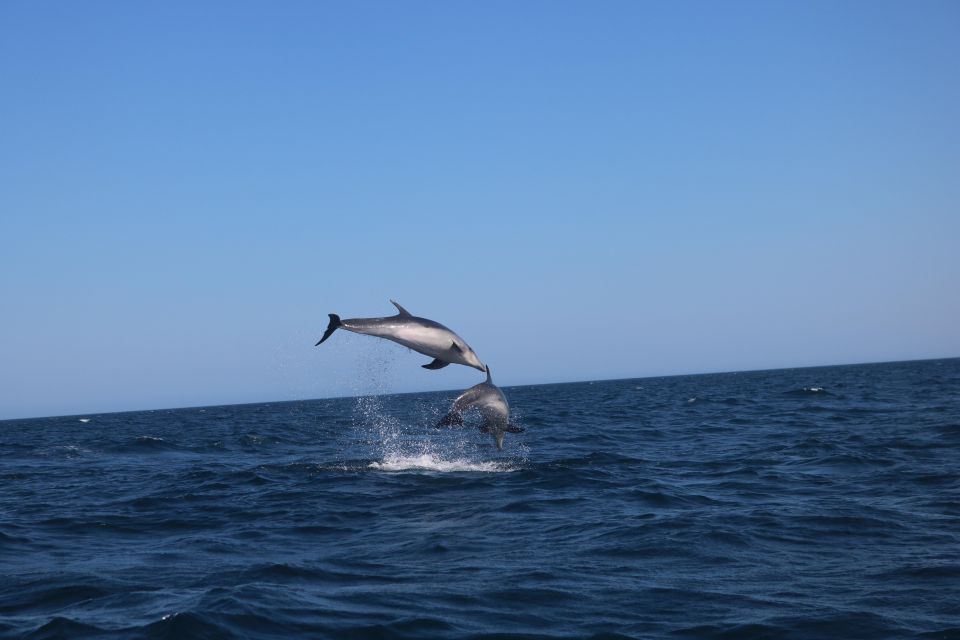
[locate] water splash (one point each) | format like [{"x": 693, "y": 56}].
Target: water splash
[
  {"x": 407, "y": 440},
  {"x": 399, "y": 445},
  {"x": 431, "y": 462},
  {"x": 373, "y": 375}
]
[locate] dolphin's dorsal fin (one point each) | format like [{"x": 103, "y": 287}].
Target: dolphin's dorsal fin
[
  {"x": 489, "y": 379},
  {"x": 403, "y": 312},
  {"x": 456, "y": 347}
]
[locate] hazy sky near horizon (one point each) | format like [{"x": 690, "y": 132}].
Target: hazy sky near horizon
[{"x": 581, "y": 190}]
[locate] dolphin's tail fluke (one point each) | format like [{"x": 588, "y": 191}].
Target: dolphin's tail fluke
[
  {"x": 452, "y": 418},
  {"x": 489, "y": 379},
  {"x": 334, "y": 323}
]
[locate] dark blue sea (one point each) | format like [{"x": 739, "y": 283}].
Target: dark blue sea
[{"x": 799, "y": 503}]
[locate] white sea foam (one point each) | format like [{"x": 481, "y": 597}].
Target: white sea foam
[{"x": 430, "y": 462}]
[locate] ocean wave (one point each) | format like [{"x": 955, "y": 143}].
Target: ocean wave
[
  {"x": 596, "y": 459},
  {"x": 807, "y": 392},
  {"x": 948, "y": 572},
  {"x": 40, "y": 597},
  {"x": 146, "y": 444},
  {"x": 8, "y": 539},
  {"x": 60, "y": 627}
]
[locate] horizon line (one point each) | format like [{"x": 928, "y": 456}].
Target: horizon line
[{"x": 515, "y": 386}]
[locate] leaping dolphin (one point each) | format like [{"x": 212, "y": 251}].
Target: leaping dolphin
[
  {"x": 423, "y": 336},
  {"x": 493, "y": 406}
]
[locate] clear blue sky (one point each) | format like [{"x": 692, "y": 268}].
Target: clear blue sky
[{"x": 582, "y": 190}]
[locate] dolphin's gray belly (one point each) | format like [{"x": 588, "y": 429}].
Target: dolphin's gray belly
[{"x": 431, "y": 341}]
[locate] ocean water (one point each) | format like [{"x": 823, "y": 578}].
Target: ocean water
[{"x": 800, "y": 503}]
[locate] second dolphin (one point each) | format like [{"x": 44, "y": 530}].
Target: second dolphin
[{"x": 487, "y": 398}]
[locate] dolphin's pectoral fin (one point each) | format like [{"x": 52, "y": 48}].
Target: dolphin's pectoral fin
[
  {"x": 498, "y": 436},
  {"x": 455, "y": 347},
  {"x": 512, "y": 428},
  {"x": 452, "y": 418},
  {"x": 436, "y": 364},
  {"x": 334, "y": 323},
  {"x": 403, "y": 312}
]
